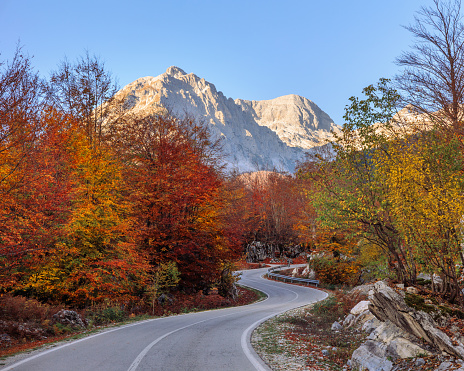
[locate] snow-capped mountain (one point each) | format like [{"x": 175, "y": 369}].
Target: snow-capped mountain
[{"x": 257, "y": 135}]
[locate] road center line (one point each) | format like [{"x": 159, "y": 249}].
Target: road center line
[
  {"x": 245, "y": 346},
  {"x": 143, "y": 353}
]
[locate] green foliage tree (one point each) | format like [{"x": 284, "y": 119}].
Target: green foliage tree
[
  {"x": 350, "y": 193},
  {"x": 166, "y": 278}
]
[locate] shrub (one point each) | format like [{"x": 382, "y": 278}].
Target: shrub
[
  {"x": 372, "y": 261},
  {"x": 104, "y": 315},
  {"x": 21, "y": 309},
  {"x": 335, "y": 271}
]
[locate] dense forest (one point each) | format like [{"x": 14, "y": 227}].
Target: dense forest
[{"x": 100, "y": 205}]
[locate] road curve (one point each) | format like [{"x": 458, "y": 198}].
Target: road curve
[{"x": 212, "y": 340}]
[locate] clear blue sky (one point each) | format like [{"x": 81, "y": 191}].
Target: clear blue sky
[{"x": 325, "y": 51}]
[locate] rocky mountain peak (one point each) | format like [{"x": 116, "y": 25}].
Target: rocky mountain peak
[
  {"x": 256, "y": 135},
  {"x": 175, "y": 71}
]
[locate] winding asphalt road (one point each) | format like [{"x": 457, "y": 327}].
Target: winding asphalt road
[{"x": 212, "y": 340}]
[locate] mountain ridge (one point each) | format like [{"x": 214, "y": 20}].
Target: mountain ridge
[{"x": 256, "y": 135}]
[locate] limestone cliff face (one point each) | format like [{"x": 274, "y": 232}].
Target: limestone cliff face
[
  {"x": 296, "y": 120},
  {"x": 256, "y": 135}
]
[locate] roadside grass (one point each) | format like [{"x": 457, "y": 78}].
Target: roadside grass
[
  {"x": 259, "y": 295},
  {"x": 303, "y": 339}
]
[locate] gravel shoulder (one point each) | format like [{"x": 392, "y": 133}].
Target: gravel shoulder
[
  {"x": 271, "y": 344},
  {"x": 303, "y": 338}
]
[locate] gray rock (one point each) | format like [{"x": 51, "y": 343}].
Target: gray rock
[
  {"x": 398, "y": 344},
  {"x": 336, "y": 326},
  {"x": 68, "y": 318},
  {"x": 5, "y": 340},
  {"x": 309, "y": 273},
  {"x": 363, "y": 318},
  {"x": 362, "y": 289},
  {"x": 361, "y": 307},
  {"x": 357, "y": 320},
  {"x": 349, "y": 320},
  {"x": 371, "y": 325},
  {"x": 386, "y": 304},
  {"x": 386, "y": 332},
  {"x": 325, "y": 352},
  {"x": 444, "y": 366},
  {"x": 371, "y": 356},
  {"x": 402, "y": 348},
  {"x": 419, "y": 362},
  {"x": 412, "y": 290},
  {"x": 424, "y": 276}
]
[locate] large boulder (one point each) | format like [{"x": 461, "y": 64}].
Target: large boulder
[
  {"x": 361, "y": 290},
  {"x": 371, "y": 357},
  {"x": 399, "y": 344},
  {"x": 357, "y": 320},
  {"x": 385, "y": 343},
  {"x": 361, "y": 307},
  {"x": 388, "y": 305}
]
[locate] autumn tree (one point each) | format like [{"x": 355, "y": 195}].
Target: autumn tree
[
  {"x": 175, "y": 187},
  {"x": 424, "y": 180},
  {"x": 92, "y": 257},
  {"x": 36, "y": 208},
  {"x": 271, "y": 207},
  {"x": 85, "y": 90},
  {"x": 351, "y": 193},
  {"x": 432, "y": 81},
  {"x": 21, "y": 101}
]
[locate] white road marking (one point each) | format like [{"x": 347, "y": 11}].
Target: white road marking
[
  {"x": 14, "y": 365},
  {"x": 246, "y": 335},
  {"x": 246, "y": 346}
]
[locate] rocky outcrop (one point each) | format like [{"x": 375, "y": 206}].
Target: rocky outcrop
[
  {"x": 388, "y": 305},
  {"x": 396, "y": 331},
  {"x": 386, "y": 343},
  {"x": 69, "y": 318},
  {"x": 256, "y": 135}
]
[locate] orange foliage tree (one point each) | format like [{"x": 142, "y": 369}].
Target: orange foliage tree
[
  {"x": 25, "y": 209},
  {"x": 175, "y": 187},
  {"x": 95, "y": 259},
  {"x": 272, "y": 208}
]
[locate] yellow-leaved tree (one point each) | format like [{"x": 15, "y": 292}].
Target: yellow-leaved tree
[
  {"x": 96, "y": 260},
  {"x": 423, "y": 175}
]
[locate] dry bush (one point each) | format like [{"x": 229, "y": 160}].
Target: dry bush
[
  {"x": 333, "y": 271},
  {"x": 21, "y": 309}
]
